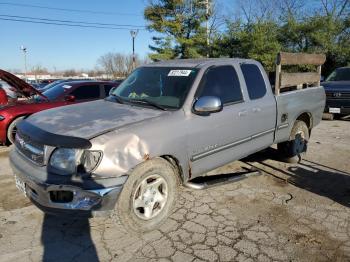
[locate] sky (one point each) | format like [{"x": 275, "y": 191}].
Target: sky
[{"x": 60, "y": 47}]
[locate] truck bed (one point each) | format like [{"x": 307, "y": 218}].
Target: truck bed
[{"x": 291, "y": 104}]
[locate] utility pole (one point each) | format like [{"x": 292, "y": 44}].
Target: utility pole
[
  {"x": 133, "y": 35},
  {"x": 207, "y": 24},
  {"x": 24, "y": 49}
]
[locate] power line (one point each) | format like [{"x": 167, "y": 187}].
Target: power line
[
  {"x": 63, "y": 24},
  {"x": 70, "y": 21},
  {"x": 70, "y": 10}
]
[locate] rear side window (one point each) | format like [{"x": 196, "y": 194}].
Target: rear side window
[
  {"x": 87, "y": 92},
  {"x": 222, "y": 82},
  {"x": 254, "y": 80}
]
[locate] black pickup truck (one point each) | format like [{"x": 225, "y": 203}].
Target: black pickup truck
[{"x": 337, "y": 87}]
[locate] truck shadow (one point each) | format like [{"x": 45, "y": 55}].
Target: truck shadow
[
  {"x": 67, "y": 236},
  {"x": 308, "y": 175},
  {"x": 67, "y": 239}
]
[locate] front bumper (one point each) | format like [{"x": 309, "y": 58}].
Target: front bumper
[
  {"x": 3, "y": 132},
  {"x": 343, "y": 105},
  {"x": 57, "y": 195},
  {"x": 342, "y": 110}
]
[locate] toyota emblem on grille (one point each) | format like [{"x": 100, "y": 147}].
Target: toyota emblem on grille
[{"x": 337, "y": 94}]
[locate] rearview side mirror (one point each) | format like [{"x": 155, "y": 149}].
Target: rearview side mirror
[
  {"x": 69, "y": 98},
  {"x": 206, "y": 105}
]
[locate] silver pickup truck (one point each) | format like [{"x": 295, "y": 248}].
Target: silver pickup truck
[{"x": 165, "y": 125}]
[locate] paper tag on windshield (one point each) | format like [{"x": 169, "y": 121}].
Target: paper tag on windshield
[
  {"x": 67, "y": 87},
  {"x": 179, "y": 72}
]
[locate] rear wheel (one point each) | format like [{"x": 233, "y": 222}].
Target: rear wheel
[
  {"x": 293, "y": 150},
  {"x": 148, "y": 196},
  {"x": 12, "y": 129}
]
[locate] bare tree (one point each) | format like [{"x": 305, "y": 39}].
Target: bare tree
[
  {"x": 117, "y": 64},
  {"x": 258, "y": 10},
  {"x": 336, "y": 8},
  {"x": 38, "y": 69},
  {"x": 69, "y": 73},
  {"x": 107, "y": 63}
]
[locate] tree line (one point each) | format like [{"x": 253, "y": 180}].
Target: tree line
[
  {"x": 118, "y": 65},
  {"x": 256, "y": 29}
]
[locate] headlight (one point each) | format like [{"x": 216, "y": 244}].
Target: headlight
[
  {"x": 65, "y": 159},
  {"x": 70, "y": 161},
  {"x": 90, "y": 160},
  {"x": 2, "y": 117}
]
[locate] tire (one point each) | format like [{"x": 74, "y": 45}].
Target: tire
[
  {"x": 328, "y": 116},
  {"x": 133, "y": 197},
  {"x": 293, "y": 150},
  {"x": 11, "y": 130}
]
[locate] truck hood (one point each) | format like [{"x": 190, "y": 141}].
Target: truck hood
[
  {"x": 336, "y": 85},
  {"x": 19, "y": 85},
  {"x": 90, "y": 119}
]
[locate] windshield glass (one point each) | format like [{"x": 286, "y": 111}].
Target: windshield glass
[
  {"x": 163, "y": 86},
  {"x": 48, "y": 86},
  {"x": 340, "y": 74},
  {"x": 56, "y": 91}
]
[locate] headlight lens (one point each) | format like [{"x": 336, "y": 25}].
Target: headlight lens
[
  {"x": 70, "y": 161},
  {"x": 65, "y": 159},
  {"x": 90, "y": 160}
]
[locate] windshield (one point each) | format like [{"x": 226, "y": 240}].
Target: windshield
[
  {"x": 340, "y": 74},
  {"x": 48, "y": 86},
  {"x": 56, "y": 91},
  {"x": 163, "y": 86}
]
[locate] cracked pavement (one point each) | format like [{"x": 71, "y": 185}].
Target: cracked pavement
[{"x": 289, "y": 213}]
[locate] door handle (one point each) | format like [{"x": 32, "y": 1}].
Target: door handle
[
  {"x": 242, "y": 113},
  {"x": 256, "y": 109}
]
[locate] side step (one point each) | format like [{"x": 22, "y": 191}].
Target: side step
[{"x": 204, "y": 182}]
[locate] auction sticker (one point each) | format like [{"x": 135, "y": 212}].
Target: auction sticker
[{"x": 179, "y": 72}]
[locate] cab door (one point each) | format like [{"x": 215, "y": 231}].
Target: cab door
[
  {"x": 221, "y": 137},
  {"x": 262, "y": 107}
]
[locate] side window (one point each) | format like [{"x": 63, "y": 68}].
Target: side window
[
  {"x": 87, "y": 92},
  {"x": 108, "y": 89},
  {"x": 254, "y": 80},
  {"x": 222, "y": 82}
]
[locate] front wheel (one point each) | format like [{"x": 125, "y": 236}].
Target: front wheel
[
  {"x": 148, "y": 196},
  {"x": 12, "y": 130},
  {"x": 293, "y": 150}
]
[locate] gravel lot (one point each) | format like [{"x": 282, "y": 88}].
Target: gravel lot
[{"x": 289, "y": 213}]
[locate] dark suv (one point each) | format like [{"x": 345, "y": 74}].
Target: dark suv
[{"x": 337, "y": 87}]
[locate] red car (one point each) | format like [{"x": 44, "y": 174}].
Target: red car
[{"x": 59, "y": 95}]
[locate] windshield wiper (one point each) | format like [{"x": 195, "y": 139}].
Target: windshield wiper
[
  {"x": 148, "y": 102},
  {"x": 118, "y": 98}
]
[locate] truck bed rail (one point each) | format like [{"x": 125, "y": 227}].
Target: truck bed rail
[{"x": 287, "y": 80}]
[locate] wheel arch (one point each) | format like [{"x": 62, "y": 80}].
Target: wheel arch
[
  {"x": 10, "y": 122},
  {"x": 306, "y": 117},
  {"x": 176, "y": 164}
]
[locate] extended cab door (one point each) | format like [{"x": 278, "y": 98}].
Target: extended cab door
[
  {"x": 261, "y": 105},
  {"x": 221, "y": 137}
]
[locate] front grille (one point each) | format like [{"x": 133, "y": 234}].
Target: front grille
[
  {"x": 30, "y": 149},
  {"x": 338, "y": 95}
]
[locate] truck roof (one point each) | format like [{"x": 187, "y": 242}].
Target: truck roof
[{"x": 200, "y": 62}]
